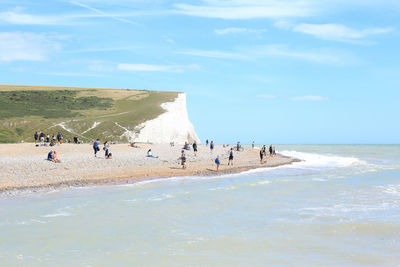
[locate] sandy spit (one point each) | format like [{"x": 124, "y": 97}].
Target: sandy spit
[{"x": 24, "y": 166}]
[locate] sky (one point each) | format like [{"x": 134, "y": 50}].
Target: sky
[{"x": 282, "y": 72}]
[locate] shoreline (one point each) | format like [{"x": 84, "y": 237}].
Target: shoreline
[{"x": 27, "y": 171}]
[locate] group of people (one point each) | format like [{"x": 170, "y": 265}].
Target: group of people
[
  {"x": 106, "y": 148},
  {"x": 263, "y": 152},
  {"x": 43, "y": 139},
  {"x": 53, "y": 157}
]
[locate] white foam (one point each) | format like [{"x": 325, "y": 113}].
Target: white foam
[{"x": 318, "y": 161}]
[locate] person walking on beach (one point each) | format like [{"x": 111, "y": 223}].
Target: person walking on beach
[
  {"x": 36, "y": 136},
  {"x": 270, "y": 150},
  {"x": 261, "y": 156},
  {"x": 230, "y": 161},
  {"x": 183, "y": 159},
  {"x": 105, "y": 148},
  {"x": 195, "y": 148},
  {"x": 217, "y": 162},
  {"x": 252, "y": 145},
  {"x": 96, "y": 147},
  {"x": 211, "y": 146}
]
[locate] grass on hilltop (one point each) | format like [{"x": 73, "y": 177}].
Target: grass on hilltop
[{"x": 26, "y": 109}]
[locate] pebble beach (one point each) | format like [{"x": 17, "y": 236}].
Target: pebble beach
[{"x": 24, "y": 166}]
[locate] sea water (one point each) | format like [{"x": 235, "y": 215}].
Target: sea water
[{"x": 340, "y": 206}]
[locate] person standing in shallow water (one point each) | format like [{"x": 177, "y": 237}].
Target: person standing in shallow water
[{"x": 211, "y": 146}]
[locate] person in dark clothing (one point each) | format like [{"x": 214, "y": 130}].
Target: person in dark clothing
[
  {"x": 195, "y": 148},
  {"x": 207, "y": 142},
  {"x": 96, "y": 147},
  {"x": 261, "y": 156},
  {"x": 270, "y": 150},
  {"x": 230, "y": 161},
  {"x": 36, "y": 136}
]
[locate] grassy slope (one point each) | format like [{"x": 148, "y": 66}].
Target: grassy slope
[{"x": 26, "y": 109}]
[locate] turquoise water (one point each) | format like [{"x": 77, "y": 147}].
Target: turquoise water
[{"x": 338, "y": 207}]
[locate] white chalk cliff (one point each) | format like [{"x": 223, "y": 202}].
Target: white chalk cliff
[{"x": 172, "y": 125}]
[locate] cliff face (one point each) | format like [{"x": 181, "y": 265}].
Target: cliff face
[
  {"x": 173, "y": 125},
  {"x": 120, "y": 115}
]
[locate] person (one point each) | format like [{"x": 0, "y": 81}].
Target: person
[
  {"x": 59, "y": 137},
  {"x": 42, "y": 141},
  {"x": 150, "y": 154},
  {"x": 230, "y": 161},
  {"x": 186, "y": 146},
  {"x": 211, "y": 146},
  {"x": 264, "y": 148},
  {"x": 207, "y": 142},
  {"x": 238, "y": 146},
  {"x": 105, "y": 148},
  {"x": 195, "y": 148},
  {"x": 76, "y": 139},
  {"x": 47, "y": 138},
  {"x": 55, "y": 157},
  {"x": 36, "y": 136},
  {"x": 217, "y": 162},
  {"x": 270, "y": 150},
  {"x": 96, "y": 147},
  {"x": 133, "y": 144},
  {"x": 261, "y": 156},
  {"x": 252, "y": 145},
  {"x": 273, "y": 151},
  {"x": 183, "y": 159},
  {"x": 50, "y": 155}
]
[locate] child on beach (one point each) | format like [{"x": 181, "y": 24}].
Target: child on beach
[
  {"x": 211, "y": 146},
  {"x": 217, "y": 162},
  {"x": 230, "y": 161},
  {"x": 183, "y": 159}
]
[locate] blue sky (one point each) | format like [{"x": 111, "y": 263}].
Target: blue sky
[{"x": 289, "y": 71}]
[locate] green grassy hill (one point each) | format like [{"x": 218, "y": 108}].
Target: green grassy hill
[{"x": 86, "y": 112}]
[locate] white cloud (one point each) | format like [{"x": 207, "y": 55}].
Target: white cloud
[
  {"x": 239, "y": 9},
  {"x": 155, "y": 68},
  {"x": 214, "y": 54},
  {"x": 338, "y": 32},
  {"x": 18, "y": 18},
  {"x": 324, "y": 56},
  {"x": 238, "y": 30},
  {"x": 310, "y": 98},
  {"x": 26, "y": 46}
]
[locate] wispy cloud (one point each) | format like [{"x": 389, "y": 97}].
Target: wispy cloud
[
  {"x": 309, "y": 98},
  {"x": 214, "y": 54},
  {"x": 338, "y": 32},
  {"x": 19, "y": 18},
  {"x": 250, "y": 9},
  {"x": 323, "y": 56},
  {"x": 102, "y": 13},
  {"x": 156, "y": 68},
  {"x": 26, "y": 46},
  {"x": 238, "y": 30}
]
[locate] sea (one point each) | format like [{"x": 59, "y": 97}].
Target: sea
[{"x": 339, "y": 206}]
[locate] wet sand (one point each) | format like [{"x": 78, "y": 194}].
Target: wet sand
[{"x": 24, "y": 166}]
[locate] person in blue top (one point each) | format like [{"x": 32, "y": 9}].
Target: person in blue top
[
  {"x": 217, "y": 162},
  {"x": 96, "y": 147},
  {"x": 50, "y": 156}
]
